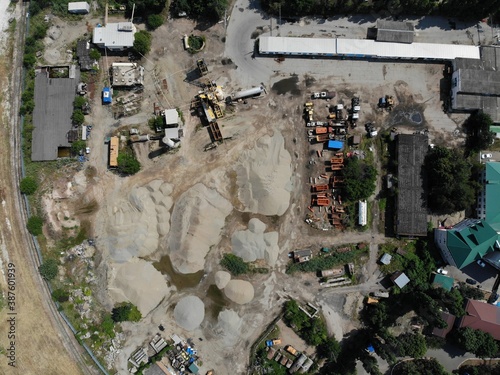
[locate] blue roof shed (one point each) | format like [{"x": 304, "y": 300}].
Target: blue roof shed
[{"x": 335, "y": 145}]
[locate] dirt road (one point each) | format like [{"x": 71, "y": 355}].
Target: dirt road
[{"x": 31, "y": 332}]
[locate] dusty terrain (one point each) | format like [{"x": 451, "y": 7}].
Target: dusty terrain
[{"x": 248, "y": 196}]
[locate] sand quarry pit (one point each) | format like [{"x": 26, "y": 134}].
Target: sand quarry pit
[
  {"x": 133, "y": 226},
  {"x": 253, "y": 244},
  {"x": 264, "y": 177},
  {"x": 197, "y": 221}
]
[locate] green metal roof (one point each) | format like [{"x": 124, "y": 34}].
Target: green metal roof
[
  {"x": 495, "y": 129},
  {"x": 443, "y": 281},
  {"x": 492, "y": 195},
  {"x": 471, "y": 242}
]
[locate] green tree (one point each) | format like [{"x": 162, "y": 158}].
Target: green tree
[
  {"x": 78, "y": 146},
  {"x": 480, "y": 343},
  {"x": 28, "y": 185},
  {"x": 79, "y": 102},
  {"x": 234, "y": 264},
  {"x": 35, "y": 225},
  {"x": 27, "y": 107},
  {"x": 127, "y": 163},
  {"x": 108, "y": 325},
  {"x": 419, "y": 367},
  {"x": 94, "y": 54},
  {"x": 125, "y": 312},
  {"x": 142, "y": 42},
  {"x": 156, "y": 122},
  {"x": 29, "y": 60},
  {"x": 49, "y": 269},
  {"x": 60, "y": 295},
  {"x": 330, "y": 349},
  {"x": 477, "y": 128},
  {"x": 360, "y": 179},
  {"x": 449, "y": 176},
  {"x": 154, "y": 21},
  {"x": 78, "y": 117},
  {"x": 411, "y": 345}
]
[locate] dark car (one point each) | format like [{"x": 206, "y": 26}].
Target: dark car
[{"x": 471, "y": 281}]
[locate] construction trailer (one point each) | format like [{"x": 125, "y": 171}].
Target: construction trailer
[
  {"x": 114, "y": 144},
  {"x": 80, "y": 7}
]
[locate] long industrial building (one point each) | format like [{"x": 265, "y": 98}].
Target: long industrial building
[{"x": 364, "y": 48}]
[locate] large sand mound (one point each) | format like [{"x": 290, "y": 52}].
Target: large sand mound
[
  {"x": 264, "y": 176},
  {"x": 139, "y": 282},
  {"x": 239, "y": 291},
  {"x": 134, "y": 226},
  {"x": 189, "y": 312},
  {"x": 253, "y": 244},
  {"x": 222, "y": 278},
  {"x": 229, "y": 327},
  {"x": 197, "y": 220}
]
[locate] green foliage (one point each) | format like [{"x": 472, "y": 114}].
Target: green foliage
[
  {"x": 35, "y": 225},
  {"x": 480, "y": 343},
  {"x": 125, "y": 312},
  {"x": 142, "y": 42},
  {"x": 60, "y": 295},
  {"x": 156, "y": 122},
  {"x": 482, "y": 369},
  {"x": 29, "y": 60},
  {"x": 449, "y": 176},
  {"x": 269, "y": 366},
  {"x": 79, "y": 102},
  {"x": 48, "y": 269},
  {"x": 477, "y": 128},
  {"x": 360, "y": 179},
  {"x": 195, "y": 43},
  {"x": 213, "y": 10},
  {"x": 410, "y": 345},
  {"x": 420, "y": 367},
  {"x": 128, "y": 163},
  {"x": 330, "y": 349},
  {"x": 78, "y": 117},
  {"x": 108, "y": 326},
  {"x": 468, "y": 292},
  {"x": 94, "y": 54},
  {"x": 154, "y": 21},
  {"x": 78, "y": 146},
  {"x": 234, "y": 264},
  {"x": 28, "y": 185},
  {"x": 326, "y": 261}
]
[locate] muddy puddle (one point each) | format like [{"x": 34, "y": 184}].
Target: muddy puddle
[
  {"x": 287, "y": 85},
  {"x": 217, "y": 301},
  {"x": 179, "y": 280}
]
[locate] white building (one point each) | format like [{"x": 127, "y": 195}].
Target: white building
[
  {"x": 80, "y": 7},
  {"x": 171, "y": 117},
  {"x": 115, "y": 36},
  {"x": 362, "y": 219}
]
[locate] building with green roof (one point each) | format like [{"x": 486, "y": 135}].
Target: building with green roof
[
  {"x": 443, "y": 281},
  {"x": 488, "y": 204},
  {"x": 466, "y": 242}
]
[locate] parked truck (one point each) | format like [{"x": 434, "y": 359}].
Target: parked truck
[
  {"x": 333, "y": 272},
  {"x": 273, "y": 342}
]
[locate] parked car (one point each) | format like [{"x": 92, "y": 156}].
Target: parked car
[
  {"x": 486, "y": 156},
  {"x": 481, "y": 263},
  {"x": 87, "y": 150},
  {"x": 442, "y": 271},
  {"x": 471, "y": 281}
]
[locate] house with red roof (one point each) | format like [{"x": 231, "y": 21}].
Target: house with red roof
[{"x": 481, "y": 316}]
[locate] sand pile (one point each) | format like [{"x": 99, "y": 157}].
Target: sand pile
[
  {"x": 133, "y": 227},
  {"x": 139, "y": 282},
  {"x": 253, "y": 244},
  {"x": 239, "y": 291},
  {"x": 189, "y": 312},
  {"x": 222, "y": 278},
  {"x": 197, "y": 220},
  {"x": 264, "y": 176},
  {"x": 229, "y": 327}
]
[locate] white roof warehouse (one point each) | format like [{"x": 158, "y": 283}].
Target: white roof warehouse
[{"x": 115, "y": 36}]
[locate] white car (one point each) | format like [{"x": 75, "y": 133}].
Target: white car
[
  {"x": 481, "y": 263},
  {"x": 486, "y": 156},
  {"x": 442, "y": 271},
  {"x": 87, "y": 150}
]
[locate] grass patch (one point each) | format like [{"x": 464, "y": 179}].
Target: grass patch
[
  {"x": 398, "y": 260},
  {"x": 326, "y": 261}
]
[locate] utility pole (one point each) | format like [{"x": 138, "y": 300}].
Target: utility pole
[
  {"x": 279, "y": 23},
  {"x": 271, "y": 19}
]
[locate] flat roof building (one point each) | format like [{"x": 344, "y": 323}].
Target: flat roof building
[
  {"x": 79, "y": 7},
  {"x": 82, "y": 52},
  {"x": 52, "y": 114},
  {"x": 127, "y": 75},
  {"x": 395, "y": 31},
  {"x": 114, "y": 144},
  {"x": 400, "y": 279},
  {"x": 410, "y": 203},
  {"x": 363, "y": 48},
  {"x": 171, "y": 117},
  {"x": 115, "y": 36}
]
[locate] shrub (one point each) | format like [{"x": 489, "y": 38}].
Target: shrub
[
  {"x": 94, "y": 54},
  {"x": 128, "y": 164},
  {"x": 154, "y": 21},
  {"x": 35, "y": 225},
  {"x": 78, "y": 117},
  {"x": 60, "y": 295},
  {"x": 78, "y": 146},
  {"x": 126, "y": 312},
  {"x": 28, "y": 185},
  {"x": 234, "y": 264},
  {"x": 79, "y": 102},
  {"x": 48, "y": 269},
  {"x": 142, "y": 42},
  {"x": 29, "y": 60}
]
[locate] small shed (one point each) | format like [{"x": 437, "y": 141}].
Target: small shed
[
  {"x": 386, "y": 259},
  {"x": 301, "y": 256},
  {"x": 335, "y": 145},
  {"x": 79, "y": 7},
  {"x": 400, "y": 279},
  {"x": 356, "y": 139},
  {"x": 171, "y": 117}
]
